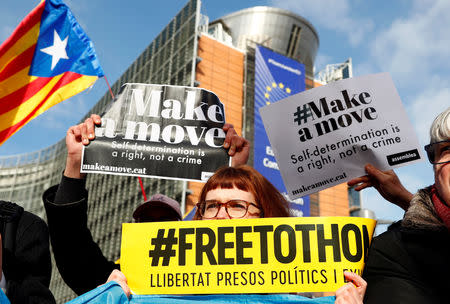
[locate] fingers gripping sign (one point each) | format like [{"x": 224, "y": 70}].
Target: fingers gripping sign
[
  {"x": 238, "y": 147},
  {"x": 78, "y": 136},
  {"x": 352, "y": 292},
  {"x": 120, "y": 278},
  {"x": 386, "y": 183}
]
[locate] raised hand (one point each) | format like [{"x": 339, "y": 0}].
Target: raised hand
[
  {"x": 77, "y": 137},
  {"x": 119, "y": 277},
  {"x": 352, "y": 292},
  {"x": 387, "y": 184},
  {"x": 238, "y": 147}
]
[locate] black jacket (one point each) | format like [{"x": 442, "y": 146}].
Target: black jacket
[
  {"x": 26, "y": 256},
  {"x": 410, "y": 263},
  {"x": 78, "y": 257}
]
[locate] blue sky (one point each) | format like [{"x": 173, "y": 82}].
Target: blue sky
[{"x": 409, "y": 39}]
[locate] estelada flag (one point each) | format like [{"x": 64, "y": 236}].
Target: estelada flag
[{"x": 46, "y": 60}]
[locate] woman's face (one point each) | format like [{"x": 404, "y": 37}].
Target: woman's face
[
  {"x": 225, "y": 195},
  {"x": 442, "y": 181},
  {"x": 442, "y": 171}
]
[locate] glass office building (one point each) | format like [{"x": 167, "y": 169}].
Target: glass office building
[
  {"x": 112, "y": 199},
  {"x": 218, "y": 56}
]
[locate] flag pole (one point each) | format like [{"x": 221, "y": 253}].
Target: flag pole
[
  {"x": 139, "y": 178},
  {"x": 109, "y": 88}
]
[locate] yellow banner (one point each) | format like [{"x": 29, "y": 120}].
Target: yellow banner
[{"x": 270, "y": 255}]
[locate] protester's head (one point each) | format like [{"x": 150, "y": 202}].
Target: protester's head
[
  {"x": 159, "y": 208},
  {"x": 440, "y": 129},
  {"x": 240, "y": 192},
  {"x": 439, "y": 153}
]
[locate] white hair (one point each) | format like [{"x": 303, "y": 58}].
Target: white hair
[{"x": 440, "y": 129}]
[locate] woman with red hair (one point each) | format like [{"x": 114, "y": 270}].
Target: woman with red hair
[{"x": 244, "y": 193}]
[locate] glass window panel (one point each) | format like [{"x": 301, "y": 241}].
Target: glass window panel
[
  {"x": 179, "y": 20},
  {"x": 192, "y": 23},
  {"x": 181, "y": 77},
  {"x": 182, "y": 56},
  {"x": 170, "y": 29},
  {"x": 174, "y": 64},
  {"x": 157, "y": 42},
  {"x": 164, "y": 36},
  {"x": 186, "y": 12}
]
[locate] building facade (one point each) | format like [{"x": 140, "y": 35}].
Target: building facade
[{"x": 218, "y": 56}]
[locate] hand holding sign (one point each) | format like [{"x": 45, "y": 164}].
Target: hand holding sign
[
  {"x": 324, "y": 136},
  {"x": 386, "y": 183},
  {"x": 119, "y": 277},
  {"x": 352, "y": 292},
  {"x": 201, "y": 107},
  {"x": 78, "y": 136},
  {"x": 239, "y": 147}
]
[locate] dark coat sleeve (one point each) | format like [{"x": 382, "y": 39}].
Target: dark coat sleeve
[
  {"x": 392, "y": 275},
  {"x": 79, "y": 259},
  {"x": 28, "y": 272}
]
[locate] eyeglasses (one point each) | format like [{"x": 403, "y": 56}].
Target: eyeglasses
[
  {"x": 235, "y": 208},
  {"x": 438, "y": 152}
]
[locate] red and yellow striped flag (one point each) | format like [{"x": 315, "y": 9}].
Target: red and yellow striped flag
[{"x": 46, "y": 60}]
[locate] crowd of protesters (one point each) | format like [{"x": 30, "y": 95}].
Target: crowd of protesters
[
  {"x": 238, "y": 188},
  {"x": 409, "y": 263}
]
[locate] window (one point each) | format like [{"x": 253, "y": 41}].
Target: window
[
  {"x": 354, "y": 198},
  {"x": 294, "y": 38}
]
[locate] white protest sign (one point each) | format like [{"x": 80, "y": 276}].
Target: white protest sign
[{"x": 324, "y": 136}]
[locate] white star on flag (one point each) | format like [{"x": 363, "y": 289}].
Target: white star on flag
[{"x": 57, "y": 50}]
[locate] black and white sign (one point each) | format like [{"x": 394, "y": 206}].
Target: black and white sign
[{"x": 159, "y": 131}]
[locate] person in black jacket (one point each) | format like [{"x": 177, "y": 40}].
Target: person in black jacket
[
  {"x": 25, "y": 264},
  {"x": 75, "y": 251},
  {"x": 410, "y": 263},
  {"x": 78, "y": 257}
]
